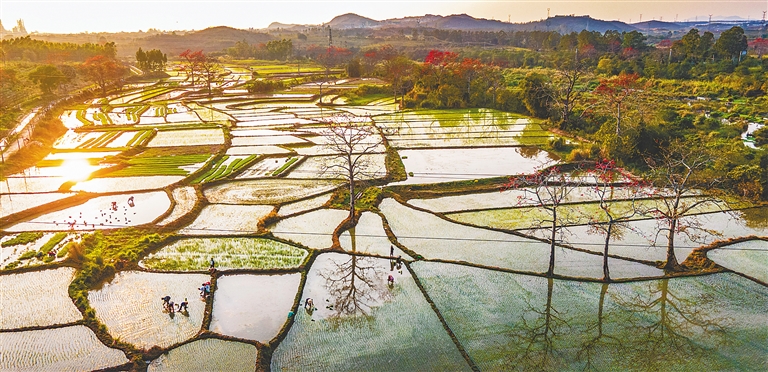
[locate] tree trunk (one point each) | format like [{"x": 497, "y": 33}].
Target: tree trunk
[
  {"x": 606, "y": 274},
  {"x": 351, "y": 176},
  {"x": 671, "y": 263},
  {"x": 618, "y": 120},
  {"x": 551, "y": 270}
]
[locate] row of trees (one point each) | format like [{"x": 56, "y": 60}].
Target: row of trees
[
  {"x": 674, "y": 176},
  {"x": 100, "y": 70},
  {"x": 152, "y": 60},
  {"x": 200, "y": 67},
  {"x": 28, "y": 49},
  {"x": 273, "y": 50}
]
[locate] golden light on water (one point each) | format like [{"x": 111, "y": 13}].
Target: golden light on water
[{"x": 77, "y": 170}]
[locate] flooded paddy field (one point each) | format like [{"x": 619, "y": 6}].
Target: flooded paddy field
[
  {"x": 101, "y": 212},
  {"x": 253, "y": 307},
  {"x": 507, "y": 319},
  {"x": 131, "y": 307},
  {"x": 73, "y": 348},
  {"x": 39, "y": 299},
  {"x": 208, "y": 354},
  {"x": 134, "y": 202}
]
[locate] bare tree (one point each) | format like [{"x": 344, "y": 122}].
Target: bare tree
[
  {"x": 548, "y": 189},
  {"x": 353, "y": 142},
  {"x": 566, "y": 89},
  {"x": 679, "y": 174},
  {"x": 209, "y": 70}
]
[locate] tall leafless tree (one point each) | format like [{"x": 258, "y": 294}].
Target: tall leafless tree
[
  {"x": 679, "y": 174},
  {"x": 352, "y": 142}
]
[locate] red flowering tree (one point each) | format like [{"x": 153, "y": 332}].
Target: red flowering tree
[
  {"x": 103, "y": 71},
  {"x": 608, "y": 180},
  {"x": 191, "y": 63},
  {"x": 615, "y": 94}
]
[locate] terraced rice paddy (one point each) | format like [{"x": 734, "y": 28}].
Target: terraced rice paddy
[
  {"x": 399, "y": 322},
  {"x": 15, "y": 203},
  {"x": 131, "y": 307},
  {"x": 253, "y": 307},
  {"x": 238, "y": 178},
  {"x": 123, "y": 184},
  {"x": 368, "y": 236},
  {"x": 73, "y": 348},
  {"x": 435, "y": 238},
  {"x": 638, "y": 240},
  {"x": 460, "y": 128},
  {"x": 271, "y": 191},
  {"x": 304, "y": 205},
  {"x": 185, "y": 198},
  {"x": 328, "y": 167},
  {"x": 229, "y": 253},
  {"x": 22, "y": 184},
  {"x": 313, "y": 229},
  {"x": 444, "y": 165},
  {"x": 219, "y": 355},
  {"x": 21, "y": 304},
  {"x": 749, "y": 258},
  {"x": 190, "y": 137},
  {"x": 99, "y": 213},
  {"x": 507, "y": 319},
  {"x": 570, "y": 214},
  {"x": 224, "y": 219}
]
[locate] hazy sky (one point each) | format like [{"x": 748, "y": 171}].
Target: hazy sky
[{"x": 68, "y": 16}]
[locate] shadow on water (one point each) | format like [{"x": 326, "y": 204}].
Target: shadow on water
[
  {"x": 355, "y": 286},
  {"x": 517, "y": 322}
]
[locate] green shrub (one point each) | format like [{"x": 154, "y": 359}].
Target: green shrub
[
  {"x": 23, "y": 238},
  {"x": 63, "y": 251},
  {"x": 27, "y": 255},
  {"x": 50, "y": 244},
  {"x": 557, "y": 143}
]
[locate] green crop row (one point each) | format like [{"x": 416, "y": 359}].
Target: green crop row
[
  {"x": 134, "y": 113},
  {"x": 100, "y": 141},
  {"x": 103, "y": 118},
  {"x": 23, "y": 238},
  {"x": 159, "y": 166},
  {"x": 50, "y": 244},
  {"x": 285, "y": 166},
  {"x": 81, "y": 116},
  {"x": 175, "y": 160},
  {"x": 219, "y": 170},
  {"x": 140, "y": 138}
]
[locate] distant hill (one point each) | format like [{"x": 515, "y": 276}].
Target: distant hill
[
  {"x": 568, "y": 24},
  {"x": 212, "y": 39},
  {"x": 562, "y": 24},
  {"x": 659, "y": 26},
  {"x": 351, "y": 20},
  {"x": 285, "y": 26}
]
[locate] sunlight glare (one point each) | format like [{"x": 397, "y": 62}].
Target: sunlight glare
[{"x": 76, "y": 170}]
